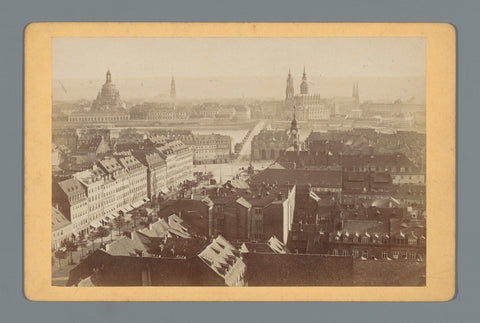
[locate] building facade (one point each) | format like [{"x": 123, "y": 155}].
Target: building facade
[
  {"x": 156, "y": 173},
  {"x": 137, "y": 179},
  {"x": 210, "y": 149},
  {"x": 70, "y": 198},
  {"x": 61, "y": 228}
]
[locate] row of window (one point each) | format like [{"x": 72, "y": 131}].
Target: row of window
[
  {"x": 98, "y": 118},
  {"x": 397, "y": 254}
]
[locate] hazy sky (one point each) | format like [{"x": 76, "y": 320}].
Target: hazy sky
[{"x": 88, "y": 58}]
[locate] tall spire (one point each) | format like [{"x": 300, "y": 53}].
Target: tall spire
[
  {"x": 354, "y": 91},
  {"x": 173, "y": 91},
  {"x": 304, "y": 85},
  {"x": 289, "y": 91}
]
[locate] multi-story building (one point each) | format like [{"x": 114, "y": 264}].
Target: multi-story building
[
  {"x": 156, "y": 173},
  {"x": 178, "y": 158},
  {"x": 69, "y": 196},
  {"x": 121, "y": 180},
  {"x": 264, "y": 212},
  {"x": 137, "y": 179},
  {"x": 211, "y": 149},
  {"x": 402, "y": 170},
  {"x": 93, "y": 181}
]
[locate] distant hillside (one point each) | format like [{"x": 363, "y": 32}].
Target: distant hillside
[{"x": 378, "y": 89}]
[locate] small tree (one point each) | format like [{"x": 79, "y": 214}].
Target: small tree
[
  {"x": 91, "y": 237},
  {"x": 110, "y": 227},
  {"x": 102, "y": 232},
  {"x": 119, "y": 223},
  {"x": 70, "y": 247},
  {"x": 82, "y": 244},
  {"x": 60, "y": 254}
]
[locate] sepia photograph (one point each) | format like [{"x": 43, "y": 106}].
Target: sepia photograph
[{"x": 240, "y": 161}]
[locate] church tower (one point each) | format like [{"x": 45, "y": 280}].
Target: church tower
[
  {"x": 294, "y": 136},
  {"x": 304, "y": 85},
  {"x": 108, "y": 78},
  {"x": 289, "y": 92},
  {"x": 173, "y": 91}
]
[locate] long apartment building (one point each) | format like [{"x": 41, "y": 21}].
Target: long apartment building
[
  {"x": 211, "y": 149},
  {"x": 178, "y": 158}
]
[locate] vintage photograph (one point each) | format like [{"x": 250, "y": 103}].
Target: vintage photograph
[{"x": 238, "y": 161}]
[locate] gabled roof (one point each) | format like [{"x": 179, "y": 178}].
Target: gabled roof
[
  {"x": 243, "y": 203},
  {"x": 222, "y": 257},
  {"x": 125, "y": 246},
  {"x": 110, "y": 165}
]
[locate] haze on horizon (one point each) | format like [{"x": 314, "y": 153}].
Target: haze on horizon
[{"x": 238, "y": 67}]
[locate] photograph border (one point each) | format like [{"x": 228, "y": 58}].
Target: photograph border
[{"x": 440, "y": 94}]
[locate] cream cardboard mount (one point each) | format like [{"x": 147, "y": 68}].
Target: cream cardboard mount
[{"x": 440, "y": 157}]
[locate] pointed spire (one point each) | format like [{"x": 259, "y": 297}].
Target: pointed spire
[
  {"x": 173, "y": 90},
  {"x": 304, "y": 73},
  {"x": 354, "y": 90}
]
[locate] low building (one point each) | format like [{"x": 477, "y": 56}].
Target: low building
[
  {"x": 61, "y": 228},
  {"x": 128, "y": 263},
  {"x": 269, "y": 144}
]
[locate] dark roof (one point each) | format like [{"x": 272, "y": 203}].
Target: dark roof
[
  {"x": 272, "y": 269},
  {"x": 71, "y": 187},
  {"x": 389, "y": 273},
  {"x": 317, "y": 178},
  {"x": 396, "y": 159}
]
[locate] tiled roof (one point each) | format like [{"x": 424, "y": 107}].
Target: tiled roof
[
  {"x": 223, "y": 258},
  {"x": 71, "y": 187},
  {"x": 110, "y": 165},
  {"x": 317, "y": 178}
]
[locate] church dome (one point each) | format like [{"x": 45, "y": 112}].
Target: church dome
[{"x": 109, "y": 97}]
